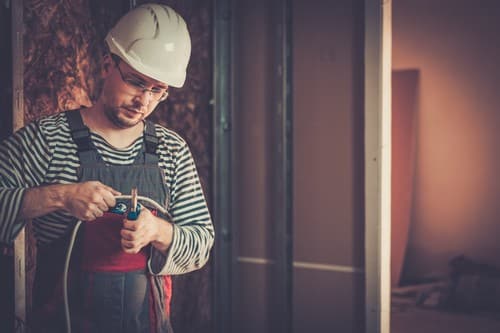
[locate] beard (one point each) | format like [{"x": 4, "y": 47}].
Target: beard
[{"x": 123, "y": 117}]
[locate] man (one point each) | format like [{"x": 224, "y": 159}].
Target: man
[{"x": 71, "y": 166}]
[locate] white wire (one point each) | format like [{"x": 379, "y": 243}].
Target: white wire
[
  {"x": 145, "y": 199},
  {"x": 70, "y": 249},
  {"x": 65, "y": 275}
]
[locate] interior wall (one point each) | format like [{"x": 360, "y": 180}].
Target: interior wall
[
  {"x": 253, "y": 79},
  {"x": 404, "y": 110},
  {"x": 455, "y": 46},
  {"x": 328, "y": 165}
]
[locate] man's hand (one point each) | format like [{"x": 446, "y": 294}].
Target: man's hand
[
  {"x": 85, "y": 201},
  {"x": 147, "y": 229},
  {"x": 88, "y": 200}
]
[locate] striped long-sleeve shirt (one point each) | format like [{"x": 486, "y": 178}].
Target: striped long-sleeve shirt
[{"x": 44, "y": 153}]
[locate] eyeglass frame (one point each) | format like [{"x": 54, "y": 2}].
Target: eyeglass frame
[{"x": 136, "y": 84}]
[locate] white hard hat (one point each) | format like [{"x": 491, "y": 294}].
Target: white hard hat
[{"x": 154, "y": 40}]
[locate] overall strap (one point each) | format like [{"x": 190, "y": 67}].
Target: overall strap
[
  {"x": 81, "y": 136},
  {"x": 150, "y": 144}
]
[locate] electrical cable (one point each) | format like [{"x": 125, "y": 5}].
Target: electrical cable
[
  {"x": 151, "y": 202},
  {"x": 65, "y": 275}
]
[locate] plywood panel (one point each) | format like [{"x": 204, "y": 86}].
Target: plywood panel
[
  {"x": 327, "y": 302},
  {"x": 252, "y": 302},
  {"x": 251, "y": 127},
  {"x": 328, "y": 132}
]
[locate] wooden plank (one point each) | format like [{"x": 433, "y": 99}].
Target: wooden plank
[
  {"x": 377, "y": 164},
  {"x": 17, "y": 123}
]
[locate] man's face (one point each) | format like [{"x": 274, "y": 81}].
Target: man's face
[{"x": 128, "y": 96}]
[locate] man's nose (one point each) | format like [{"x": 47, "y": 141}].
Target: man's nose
[{"x": 145, "y": 97}]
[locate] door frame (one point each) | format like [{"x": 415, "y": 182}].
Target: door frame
[{"x": 378, "y": 47}]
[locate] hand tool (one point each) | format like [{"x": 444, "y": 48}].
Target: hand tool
[{"x": 135, "y": 209}]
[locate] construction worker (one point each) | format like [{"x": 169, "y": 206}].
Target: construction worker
[{"x": 74, "y": 166}]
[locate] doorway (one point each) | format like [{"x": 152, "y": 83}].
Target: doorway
[{"x": 445, "y": 268}]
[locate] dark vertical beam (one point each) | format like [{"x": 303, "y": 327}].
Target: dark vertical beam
[
  {"x": 282, "y": 277},
  {"x": 17, "y": 123},
  {"x": 17, "y": 64},
  {"x": 222, "y": 173},
  {"x": 6, "y": 257},
  {"x": 6, "y": 67}
]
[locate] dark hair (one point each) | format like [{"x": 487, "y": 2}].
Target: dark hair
[{"x": 115, "y": 58}]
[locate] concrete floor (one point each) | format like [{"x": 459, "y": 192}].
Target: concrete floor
[
  {"x": 418, "y": 320},
  {"x": 432, "y": 316}
]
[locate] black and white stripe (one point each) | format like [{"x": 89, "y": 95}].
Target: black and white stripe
[{"x": 44, "y": 153}]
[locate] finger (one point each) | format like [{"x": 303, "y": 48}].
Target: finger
[
  {"x": 96, "y": 213},
  {"x": 126, "y": 246},
  {"x": 107, "y": 194},
  {"x": 99, "y": 212},
  {"x": 101, "y": 206},
  {"x": 131, "y": 225},
  {"x": 129, "y": 247},
  {"x": 89, "y": 216},
  {"x": 127, "y": 235},
  {"x": 103, "y": 190},
  {"x": 112, "y": 190},
  {"x": 109, "y": 199}
]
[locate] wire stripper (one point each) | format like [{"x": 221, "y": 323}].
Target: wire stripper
[{"x": 135, "y": 209}]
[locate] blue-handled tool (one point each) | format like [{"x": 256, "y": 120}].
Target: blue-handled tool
[{"x": 135, "y": 209}]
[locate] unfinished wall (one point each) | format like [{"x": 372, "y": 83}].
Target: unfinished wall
[
  {"x": 252, "y": 115},
  {"x": 328, "y": 208},
  {"x": 455, "y": 46},
  {"x": 328, "y": 166}
]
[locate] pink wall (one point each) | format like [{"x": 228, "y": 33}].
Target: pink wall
[{"x": 456, "y": 208}]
